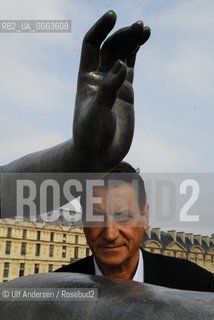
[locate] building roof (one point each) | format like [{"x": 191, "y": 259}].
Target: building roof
[{"x": 166, "y": 239}]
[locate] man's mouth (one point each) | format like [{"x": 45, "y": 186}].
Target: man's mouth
[{"x": 111, "y": 248}]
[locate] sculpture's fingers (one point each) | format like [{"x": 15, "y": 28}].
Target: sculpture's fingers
[
  {"x": 123, "y": 135},
  {"x": 110, "y": 85},
  {"x": 99, "y": 121},
  {"x": 93, "y": 39},
  {"x": 132, "y": 58},
  {"x": 122, "y": 44},
  {"x": 130, "y": 64}
]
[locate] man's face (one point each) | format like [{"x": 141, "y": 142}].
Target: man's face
[{"x": 116, "y": 241}]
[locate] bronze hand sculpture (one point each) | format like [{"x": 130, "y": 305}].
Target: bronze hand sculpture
[{"x": 104, "y": 116}]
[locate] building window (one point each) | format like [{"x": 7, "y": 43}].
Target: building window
[
  {"x": 37, "y": 253},
  {"x": 51, "y": 250},
  {"x": 21, "y": 269},
  {"x": 64, "y": 238},
  {"x": 52, "y": 237},
  {"x": 9, "y": 232},
  {"x": 7, "y": 247},
  {"x": 24, "y": 233},
  {"x": 23, "y": 249},
  {"x": 63, "y": 251},
  {"x": 208, "y": 260},
  {"x": 36, "y": 268},
  {"x": 87, "y": 252},
  {"x": 50, "y": 268},
  {"x": 76, "y": 253},
  {"x": 6, "y": 269},
  {"x": 38, "y": 235},
  {"x": 76, "y": 239}
]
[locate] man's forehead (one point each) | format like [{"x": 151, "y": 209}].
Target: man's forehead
[
  {"x": 117, "y": 196},
  {"x": 115, "y": 187}
]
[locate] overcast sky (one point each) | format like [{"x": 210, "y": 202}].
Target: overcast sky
[{"x": 174, "y": 80}]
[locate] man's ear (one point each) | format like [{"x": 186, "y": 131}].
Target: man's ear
[{"x": 145, "y": 214}]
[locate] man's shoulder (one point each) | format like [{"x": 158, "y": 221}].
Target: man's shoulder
[
  {"x": 178, "y": 273},
  {"x": 169, "y": 261},
  {"x": 85, "y": 265}
]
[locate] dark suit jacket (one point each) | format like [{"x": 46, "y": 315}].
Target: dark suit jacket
[{"x": 160, "y": 270}]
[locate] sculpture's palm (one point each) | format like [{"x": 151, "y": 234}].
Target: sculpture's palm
[{"x": 104, "y": 115}]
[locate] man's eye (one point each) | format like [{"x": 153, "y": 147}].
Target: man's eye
[{"x": 122, "y": 217}]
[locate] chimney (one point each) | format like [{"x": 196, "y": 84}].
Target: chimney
[
  {"x": 198, "y": 238},
  {"x": 173, "y": 234},
  {"x": 190, "y": 237},
  {"x": 212, "y": 238},
  {"x": 157, "y": 232},
  {"x": 206, "y": 239},
  {"x": 148, "y": 231},
  {"x": 181, "y": 235}
]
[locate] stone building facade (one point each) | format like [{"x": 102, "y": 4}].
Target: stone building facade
[
  {"x": 196, "y": 248},
  {"x": 29, "y": 247}
]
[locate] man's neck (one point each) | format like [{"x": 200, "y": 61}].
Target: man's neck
[{"x": 125, "y": 271}]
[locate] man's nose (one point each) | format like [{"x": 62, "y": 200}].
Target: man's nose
[{"x": 110, "y": 231}]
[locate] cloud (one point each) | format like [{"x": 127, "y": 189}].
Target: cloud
[
  {"x": 180, "y": 51},
  {"x": 174, "y": 89},
  {"x": 153, "y": 153},
  {"x": 192, "y": 71},
  {"x": 17, "y": 141},
  {"x": 29, "y": 88},
  {"x": 30, "y": 9},
  {"x": 30, "y": 75},
  {"x": 190, "y": 17}
]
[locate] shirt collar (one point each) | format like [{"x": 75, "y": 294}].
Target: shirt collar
[{"x": 139, "y": 273}]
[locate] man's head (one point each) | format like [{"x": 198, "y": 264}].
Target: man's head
[{"x": 122, "y": 205}]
